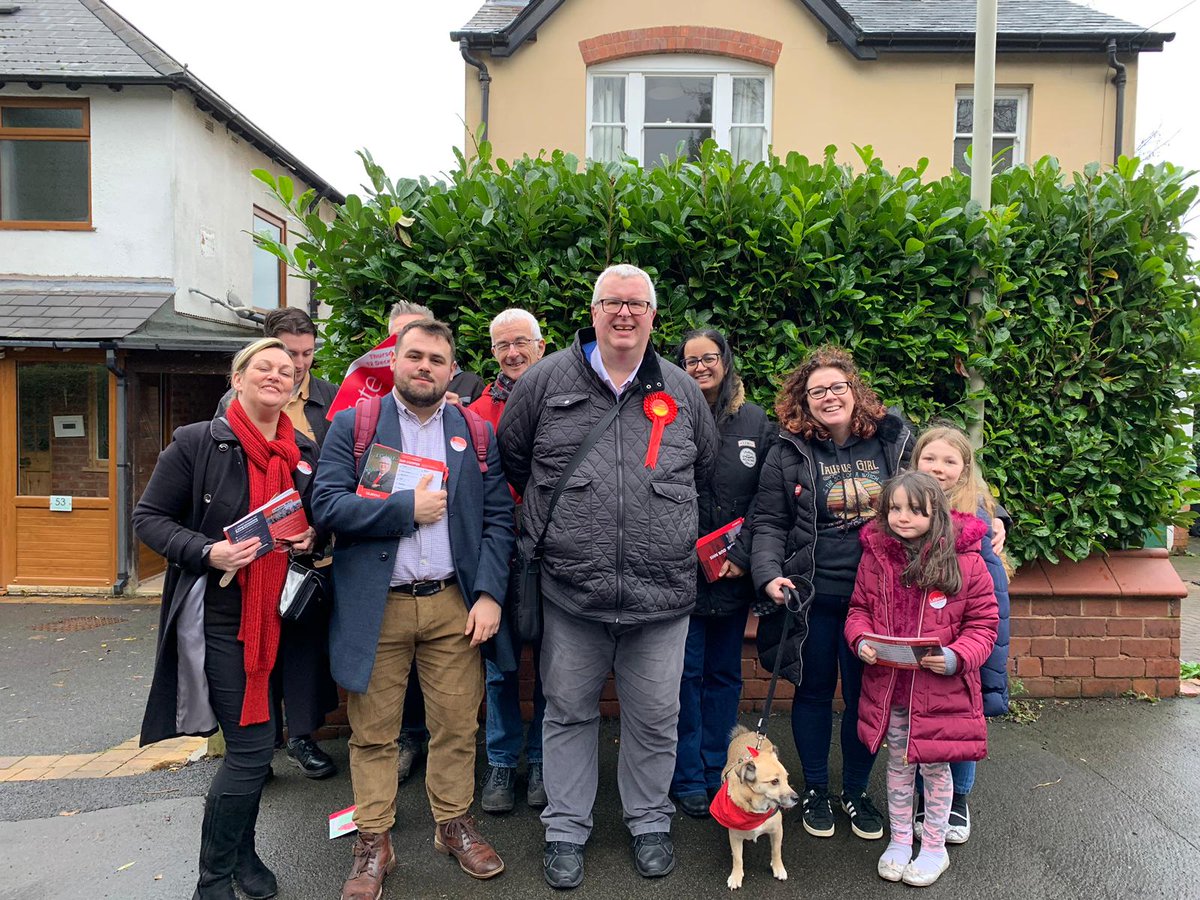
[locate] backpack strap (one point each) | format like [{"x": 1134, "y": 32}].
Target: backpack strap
[
  {"x": 366, "y": 417},
  {"x": 479, "y": 436}
]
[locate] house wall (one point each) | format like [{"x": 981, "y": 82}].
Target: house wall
[
  {"x": 131, "y": 192},
  {"x": 901, "y": 104},
  {"x": 214, "y": 196}
]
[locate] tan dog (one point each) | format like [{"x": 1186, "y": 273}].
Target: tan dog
[{"x": 754, "y": 788}]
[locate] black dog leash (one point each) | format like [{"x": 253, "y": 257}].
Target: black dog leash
[{"x": 794, "y": 605}]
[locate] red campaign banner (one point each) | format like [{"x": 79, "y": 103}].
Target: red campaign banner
[{"x": 368, "y": 376}]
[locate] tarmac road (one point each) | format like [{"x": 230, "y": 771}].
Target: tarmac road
[{"x": 1094, "y": 799}]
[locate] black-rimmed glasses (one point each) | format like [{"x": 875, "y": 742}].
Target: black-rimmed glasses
[
  {"x": 708, "y": 359},
  {"x": 837, "y": 389},
  {"x": 612, "y": 306}
]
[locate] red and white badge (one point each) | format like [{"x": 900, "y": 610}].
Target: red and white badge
[
  {"x": 937, "y": 599},
  {"x": 303, "y": 467},
  {"x": 458, "y": 443}
]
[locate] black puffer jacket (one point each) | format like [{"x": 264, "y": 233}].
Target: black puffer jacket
[
  {"x": 785, "y": 526},
  {"x": 745, "y": 438},
  {"x": 621, "y": 547}
]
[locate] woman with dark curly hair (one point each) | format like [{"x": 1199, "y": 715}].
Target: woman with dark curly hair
[{"x": 819, "y": 486}]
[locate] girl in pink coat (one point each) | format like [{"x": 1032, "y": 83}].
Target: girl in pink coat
[{"x": 922, "y": 576}]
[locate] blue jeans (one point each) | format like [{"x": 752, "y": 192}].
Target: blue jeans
[
  {"x": 708, "y": 701},
  {"x": 825, "y": 652},
  {"x": 963, "y": 774},
  {"x": 505, "y": 729}
]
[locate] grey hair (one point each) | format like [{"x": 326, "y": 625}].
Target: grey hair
[
  {"x": 625, "y": 270},
  {"x": 515, "y": 316},
  {"x": 408, "y": 308}
]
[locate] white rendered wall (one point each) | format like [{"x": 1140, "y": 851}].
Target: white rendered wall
[
  {"x": 215, "y": 196},
  {"x": 131, "y": 193}
]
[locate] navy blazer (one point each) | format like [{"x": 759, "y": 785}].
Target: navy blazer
[{"x": 480, "y": 511}]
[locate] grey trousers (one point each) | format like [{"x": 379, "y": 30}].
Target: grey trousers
[{"x": 647, "y": 661}]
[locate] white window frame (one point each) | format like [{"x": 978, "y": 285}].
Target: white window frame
[
  {"x": 1021, "y": 95},
  {"x": 722, "y": 69}
]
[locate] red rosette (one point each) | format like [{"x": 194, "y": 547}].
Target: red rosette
[{"x": 661, "y": 410}]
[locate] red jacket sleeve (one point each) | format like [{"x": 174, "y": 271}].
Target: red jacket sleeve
[{"x": 860, "y": 619}]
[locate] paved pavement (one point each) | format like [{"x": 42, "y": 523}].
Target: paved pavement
[
  {"x": 1188, "y": 567},
  {"x": 1093, "y": 799}
]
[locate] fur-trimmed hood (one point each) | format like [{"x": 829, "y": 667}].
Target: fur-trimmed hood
[{"x": 968, "y": 535}]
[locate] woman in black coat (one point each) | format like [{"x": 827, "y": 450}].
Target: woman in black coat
[
  {"x": 218, "y": 639},
  {"x": 818, "y": 488},
  {"x": 712, "y": 667}
]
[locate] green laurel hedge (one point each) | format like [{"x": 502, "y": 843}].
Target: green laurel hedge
[{"x": 1087, "y": 327}]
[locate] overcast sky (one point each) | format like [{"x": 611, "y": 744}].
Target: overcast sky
[{"x": 325, "y": 79}]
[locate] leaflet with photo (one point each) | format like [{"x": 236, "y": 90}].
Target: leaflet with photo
[
  {"x": 712, "y": 548},
  {"x": 901, "y": 653},
  {"x": 281, "y": 518},
  {"x": 389, "y": 470}
]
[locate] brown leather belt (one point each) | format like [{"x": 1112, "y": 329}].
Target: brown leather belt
[{"x": 424, "y": 588}]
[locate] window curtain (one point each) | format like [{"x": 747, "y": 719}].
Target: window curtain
[
  {"x": 749, "y": 119},
  {"x": 608, "y": 114}
]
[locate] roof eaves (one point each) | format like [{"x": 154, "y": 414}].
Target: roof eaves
[
  {"x": 840, "y": 25},
  {"x": 1013, "y": 42},
  {"x": 509, "y": 39}
]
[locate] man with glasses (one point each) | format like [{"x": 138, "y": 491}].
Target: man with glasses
[
  {"x": 517, "y": 344},
  {"x": 618, "y": 572}
]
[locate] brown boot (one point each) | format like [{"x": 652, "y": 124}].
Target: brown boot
[
  {"x": 460, "y": 838},
  {"x": 373, "y": 860}
]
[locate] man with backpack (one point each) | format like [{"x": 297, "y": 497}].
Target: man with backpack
[{"x": 420, "y": 574}]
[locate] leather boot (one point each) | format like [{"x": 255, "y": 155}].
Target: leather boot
[
  {"x": 461, "y": 839},
  {"x": 251, "y": 873},
  {"x": 225, "y": 818},
  {"x": 373, "y": 860}
]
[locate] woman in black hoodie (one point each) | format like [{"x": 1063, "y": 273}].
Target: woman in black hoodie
[
  {"x": 818, "y": 488},
  {"x": 712, "y": 668}
]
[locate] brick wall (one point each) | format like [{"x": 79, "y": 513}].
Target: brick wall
[{"x": 680, "y": 39}]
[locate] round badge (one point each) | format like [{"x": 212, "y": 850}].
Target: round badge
[
  {"x": 748, "y": 457},
  {"x": 458, "y": 443},
  {"x": 303, "y": 468},
  {"x": 937, "y": 599}
]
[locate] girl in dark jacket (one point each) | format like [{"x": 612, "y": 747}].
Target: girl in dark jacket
[
  {"x": 922, "y": 576},
  {"x": 818, "y": 488},
  {"x": 218, "y": 639},
  {"x": 712, "y": 666},
  {"x": 945, "y": 453}
]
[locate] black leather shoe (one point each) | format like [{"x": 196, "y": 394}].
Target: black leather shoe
[
  {"x": 562, "y": 864},
  {"x": 312, "y": 760},
  {"x": 410, "y": 753},
  {"x": 498, "y": 794},
  {"x": 654, "y": 854},
  {"x": 694, "y": 805},
  {"x": 536, "y": 795}
]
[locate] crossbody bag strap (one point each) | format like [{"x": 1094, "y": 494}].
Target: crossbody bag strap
[{"x": 588, "y": 443}]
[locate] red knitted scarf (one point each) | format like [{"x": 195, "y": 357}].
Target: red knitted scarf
[{"x": 269, "y": 466}]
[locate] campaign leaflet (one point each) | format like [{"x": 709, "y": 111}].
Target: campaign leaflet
[
  {"x": 898, "y": 652},
  {"x": 279, "y": 519},
  {"x": 389, "y": 470},
  {"x": 711, "y": 548}
]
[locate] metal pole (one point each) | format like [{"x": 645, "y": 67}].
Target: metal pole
[{"x": 983, "y": 104}]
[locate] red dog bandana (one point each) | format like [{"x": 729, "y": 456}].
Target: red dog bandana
[{"x": 729, "y": 814}]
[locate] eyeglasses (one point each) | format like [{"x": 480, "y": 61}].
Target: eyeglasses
[
  {"x": 612, "y": 306},
  {"x": 837, "y": 389},
  {"x": 502, "y": 347},
  {"x": 708, "y": 360}
]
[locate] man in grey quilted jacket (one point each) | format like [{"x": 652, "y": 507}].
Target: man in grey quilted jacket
[{"x": 619, "y": 564}]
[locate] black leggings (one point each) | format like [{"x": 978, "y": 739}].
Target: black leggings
[{"x": 248, "y": 748}]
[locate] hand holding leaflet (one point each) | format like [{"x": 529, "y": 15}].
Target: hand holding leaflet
[{"x": 900, "y": 653}]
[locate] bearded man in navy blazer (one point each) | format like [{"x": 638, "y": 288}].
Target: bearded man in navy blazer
[{"x": 421, "y": 573}]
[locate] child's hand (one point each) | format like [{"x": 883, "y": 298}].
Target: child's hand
[
  {"x": 934, "y": 663},
  {"x": 866, "y": 653}
]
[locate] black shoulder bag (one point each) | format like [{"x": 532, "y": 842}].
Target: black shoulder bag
[{"x": 525, "y": 587}]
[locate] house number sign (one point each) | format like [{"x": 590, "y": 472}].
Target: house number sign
[{"x": 60, "y": 503}]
